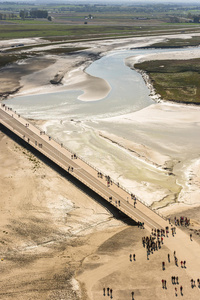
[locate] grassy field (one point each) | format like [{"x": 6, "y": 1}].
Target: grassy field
[
  {"x": 175, "y": 80},
  {"x": 177, "y": 43},
  {"x": 52, "y": 31}
]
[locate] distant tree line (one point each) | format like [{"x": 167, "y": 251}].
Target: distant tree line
[
  {"x": 190, "y": 18},
  {"x": 7, "y": 16},
  {"x": 34, "y": 13},
  {"x": 196, "y": 19}
]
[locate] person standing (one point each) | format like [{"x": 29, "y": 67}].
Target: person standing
[{"x": 163, "y": 283}]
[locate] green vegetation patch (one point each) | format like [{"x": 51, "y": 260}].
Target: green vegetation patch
[
  {"x": 174, "y": 80},
  {"x": 64, "y": 50},
  {"x": 177, "y": 43}
]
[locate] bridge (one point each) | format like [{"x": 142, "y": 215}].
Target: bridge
[{"x": 101, "y": 184}]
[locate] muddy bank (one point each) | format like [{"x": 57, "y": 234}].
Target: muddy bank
[{"x": 11, "y": 75}]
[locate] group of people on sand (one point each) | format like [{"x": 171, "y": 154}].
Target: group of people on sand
[
  {"x": 182, "y": 221},
  {"x": 151, "y": 243},
  {"x": 175, "y": 281},
  {"x": 109, "y": 292},
  {"x": 193, "y": 283}
]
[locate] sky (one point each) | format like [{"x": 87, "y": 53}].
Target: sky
[{"x": 107, "y": 1}]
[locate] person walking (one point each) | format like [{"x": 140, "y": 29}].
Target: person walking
[
  {"x": 165, "y": 284},
  {"x": 176, "y": 261},
  {"x": 104, "y": 291},
  {"x": 181, "y": 290},
  {"x": 111, "y": 296},
  {"x": 130, "y": 257},
  {"x": 198, "y": 283},
  {"x": 163, "y": 265},
  {"x": 177, "y": 280},
  {"x": 190, "y": 237},
  {"x": 108, "y": 291},
  {"x": 168, "y": 257},
  {"x": 134, "y": 257},
  {"x": 176, "y": 292},
  {"x": 184, "y": 263},
  {"x": 191, "y": 283}
]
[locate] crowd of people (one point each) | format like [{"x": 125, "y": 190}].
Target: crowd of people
[{"x": 182, "y": 221}]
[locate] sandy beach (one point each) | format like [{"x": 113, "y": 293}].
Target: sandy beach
[{"x": 58, "y": 242}]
